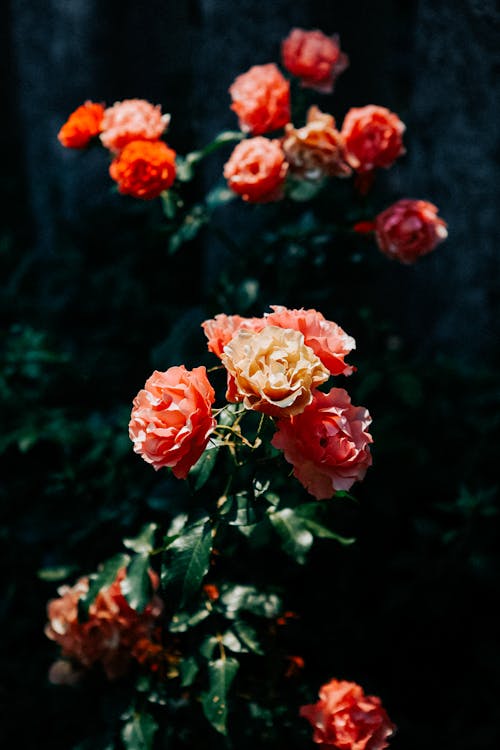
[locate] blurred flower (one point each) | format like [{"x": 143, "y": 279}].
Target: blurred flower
[
  {"x": 221, "y": 329},
  {"x": 261, "y": 99},
  {"x": 327, "y": 444},
  {"x": 132, "y": 120},
  {"x": 346, "y": 719},
  {"x": 256, "y": 170},
  {"x": 327, "y": 339},
  {"x": 171, "y": 419},
  {"x": 108, "y": 635},
  {"x": 82, "y": 125},
  {"x": 409, "y": 229},
  {"x": 314, "y": 58},
  {"x": 272, "y": 371},
  {"x": 317, "y": 150},
  {"x": 373, "y": 137},
  {"x": 144, "y": 169}
]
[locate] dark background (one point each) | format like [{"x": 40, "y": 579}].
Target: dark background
[{"x": 91, "y": 302}]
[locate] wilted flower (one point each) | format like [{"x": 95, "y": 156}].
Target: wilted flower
[
  {"x": 327, "y": 444},
  {"x": 257, "y": 169},
  {"x": 314, "y": 58},
  {"x": 144, "y": 169},
  {"x": 132, "y": 120},
  {"x": 108, "y": 635},
  {"x": 317, "y": 150},
  {"x": 409, "y": 229},
  {"x": 171, "y": 420},
  {"x": 373, "y": 137},
  {"x": 82, "y": 125},
  {"x": 261, "y": 99},
  {"x": 346, "y": 719},
  {"x": 221, "y": 329},
  {"x": 272, "y": 371}
]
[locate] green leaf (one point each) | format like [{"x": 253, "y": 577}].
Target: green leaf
[
  {"x": 295, "y": 536},
  {"x": 189, "y": 668},
  {"x": 182, "y": 621},
  {"x": 221, "y": 675},
  {"x": 235, "y": 599},
  {"x": 314, "y": 517},
  {"x": 104, "y": 577},
  {"x": 238, "y": 510},
  {"x": 248, "y": 636},
  {"x": 186, "y": 562},
  {"x": 138, "y": 733},
  {"x": 202, "y": 469},
  {"x": 144, "y": 541},
  {"x": 136, "y": 586}
]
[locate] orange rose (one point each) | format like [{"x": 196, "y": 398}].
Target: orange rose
[
  {"x": 144, "y": 169},
  {"x": 314, "y": 58},
  {"x": 261, "y": 99},
  {"x": 221, "y": 329},
  {"x": 132, "y": 120},
  {"x": 82, "y": 125},
  {"x": 373, "y": 137},
  {"x": 171, "y": 420},
  {"x": 256, "y": 170},
  {"x": 346, "y": 719},
  {"x": 272, "y": 371},
  {"x": 327, "y": 444},
  {"x": 327, "y": 340},
  {"x": 108, "y": 635},
  {"x": 317, "y": 150},
  {"x": 409, "y": 229}
]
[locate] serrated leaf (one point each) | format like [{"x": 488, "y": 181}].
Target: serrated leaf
[
  {"x": 200, "y": 472},
  {"x": 136, "y": 586},
  {"x": 189, "y": 668},
  {"x": 182, "y": 621},
  {"x": 138, "y": 733},
  {"x": 104, "y": 577},
  {"x": 144, "y": 541},
  {"x": 248, "y": 636},
  {"x": 295, "y": 536},
  {"x": 186, "y": 562},
  {"x": 221, "y": 674}
]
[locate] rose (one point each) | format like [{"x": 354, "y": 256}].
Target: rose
[
  {"x": 171, "y": 419},
  {"x": 327, "y": 443},
  {"x": 82, "y": 125},
  {"x": 132, "y": 120},
  {"x": 327, "y": 339},
  {"x": 144, "y": 169},
  {"x": 409, "y": 229},
  {"x": 256, "y": 170},
  {"x": 261, "y": 99},
  {"x": 272, "y": 371},
  {"x": 346, "y": 719},
  {"x": 108, "y": 634},
  {"x": 373, "y": 137},
  {"x": 221, "y": 329},
  {"x": 316, "y": 150},
  {"x": 314, "y": 58}
]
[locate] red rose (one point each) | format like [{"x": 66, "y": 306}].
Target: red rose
[
  {"x": 144, "y": 169},
  {"x": 82, "y": 125},
  {"x": 346, "y": 719},
  {"x": 314, "y": 58},
  {"x": 408, "y": 229},
  {"x": 256, "y": 170},
  {"x": 373, "y": 137},
  {"x": 261, "y": 99}
]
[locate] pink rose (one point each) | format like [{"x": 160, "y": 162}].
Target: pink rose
[
  {"x": 261, "y": 99},
  {"x": 409, "y": 229},
  {"x": 345, "y": 718},
  {"x": 314, "y": 58},
  {"x": 132, "y": 120},
  {"x": 373, "y": 137},
  {"x": 221, "y": 329},
  {"x": 171, "y": 420},
  {"x": 257, "y": 169},
  {"x": 327, "y": 444}
]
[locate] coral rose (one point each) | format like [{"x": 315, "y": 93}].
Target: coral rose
[
  {"x": 345, "y": 718},
  {"x": 373, "y": 137},
  {"x": 327, "y": 339},
  {"x": 261, "y": 99},
  {"x": 108, "y": 635},
  {"x": 132, "y": 120},
  {"x": 272, "y": 371},
  {"x": 408, "y": 229},
  {"x": 82, "y": 125},
  {"x": 144, "y": 169},
  {"x": 221, "y": 329},
  {"x": 171, "y": 419},
  {"x": 314, "y": 58},
  {"x": 317, "y": 150},
  {"x": 328, "y": 444},
  {"x": 256, "y": 170}
]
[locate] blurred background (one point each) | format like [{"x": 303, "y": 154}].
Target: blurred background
[{"x": 92, "y": 302}]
